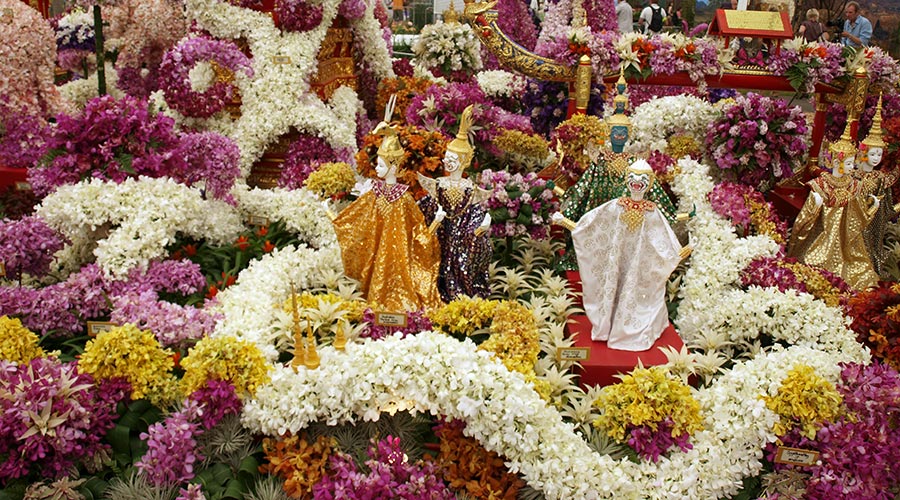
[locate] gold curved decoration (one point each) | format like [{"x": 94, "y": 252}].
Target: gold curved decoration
[{"x": 483, "y": 20}]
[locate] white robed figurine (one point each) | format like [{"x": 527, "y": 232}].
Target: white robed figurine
[{"x": 626, "y": 251}]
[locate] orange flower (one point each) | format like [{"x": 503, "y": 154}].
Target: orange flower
[
  {"x": 212, "y": 292},
  {"x": 821, "y": 52},
  {"x": 229, "y": 279},
  {"x": 190, "y": 250},
  {"x": 268, "y": 247},
  {"x": 264, "y": 230},
  {"x": 242, "y": 243}
]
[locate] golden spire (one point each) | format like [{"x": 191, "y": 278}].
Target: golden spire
[
  {"x": 312, "y": 357},
  {"x": 450, "y": 16},
  {"x": 844, "y": 147},
  {"x": 340, "y": 337},
  {"x": 299, "y": 348},
  {"x": 875, "y": 139}
]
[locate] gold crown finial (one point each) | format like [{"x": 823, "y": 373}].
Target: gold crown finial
[
  {"x": 875, "y": 138},
  {"x": 299, "y": 348},
  {"x": 450, "y": 15},
  {"x": 460, "y": 144},
  {"x": 844, "y": 147},
  {"x": 312, "y": 357},
  {"x": 340, "y": 337}
]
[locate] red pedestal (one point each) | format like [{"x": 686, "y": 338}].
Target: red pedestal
[
  {"x": 574, "y": 278},
  {"x": 788, "y": 201},
  {"x": 17, "y": 177},
  {"x": 604, "y": 363}
]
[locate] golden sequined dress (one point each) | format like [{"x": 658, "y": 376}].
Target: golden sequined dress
[
  {"x": 387, "y": 247},
  {"x": 831, "y": 235},
  {"x": 879, "y": 183}
]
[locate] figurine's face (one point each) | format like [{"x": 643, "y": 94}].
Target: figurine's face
[
  {"x": 875, "y": 155},
  {"x": 451, "y": 162},
  {"x": 382, "y": 169},
  {"x": 592, "y": 151},
  {"x": 638, "y": 184},
  {"x": 849, "y": 163},
  {"x": 618, "y": 136}
]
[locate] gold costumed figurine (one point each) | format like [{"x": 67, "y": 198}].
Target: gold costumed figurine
[
  {"x": 829, "y": 231},
  {"x": 878, "y": 182},
  {"x": 385, "y": 242}
]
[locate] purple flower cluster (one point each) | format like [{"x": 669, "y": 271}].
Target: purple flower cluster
[
  {"x": 416, "y": 321},
  {"x": 836, "y": 115},
  {"x": 27, "y": 246},
  {"x": 73, "y": 36},
  {"x": 172, "y": 444},
  {"x": 52, "y": 417},
  {"x": 860, "y": 452},
  {"x": 390, "y": 475},
  {"x": 22, "y": 142},
  {"x": 172, "y": 324},
  {"x": 810, "y": 64},
  {"x": 298, "y": 15},
  {"x": 174, "y": 77},
  {"x": 136, "y": 81},
  {"x": 601, "y": 16},
  {"x": 546, "y": 104},
  {"x": 303, "y": 157},
  {"x": 515, "y": 21},
  {"x": 63, "y": 307},
  {"x": 192, "y": 492},
  {"x": 768, "y": 272},
  {"x": 732, "y": 201},
  {"x": 352, "y": 9},
  {"x": 716, "y": 95},
  {"x": 214, "y": 160},
  {"x": 112, "y": 139},
  {"x": 519, "y": 204},
  {"x": 172, "y": 447},
  {"x": 651, "y": 444},
  {"x": 639, "y": 94},
  {"x": 758, "y": 140}
]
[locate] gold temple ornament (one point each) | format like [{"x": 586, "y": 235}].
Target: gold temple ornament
[
  {"x": 340, "y": 336},
  {"x": 299, "y": 347},
  {"x": 312, "y": 357}
]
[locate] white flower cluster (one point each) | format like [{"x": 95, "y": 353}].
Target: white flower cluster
[
  {"x": 278, "y": 97},
  {"x": 142, "y": 216},
  {"x": 252, "y": 306},
  {"x": 653, "y": 122},
  {"x": 79, "y": 92},
  {"x": 75, "y": 27},
  {"x": 715, "y": 307},
  {"x": 448, "y": 46},
  {"x": 300, "y": 210},
  {"x": 499, "y": 83}
]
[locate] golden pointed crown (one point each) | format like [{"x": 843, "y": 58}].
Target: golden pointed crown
[
  {"x": 450, "y": 15},
  {"x": 460, "y": 145},
  {"x": 875, "y": 138},
  {"x": 390, "y": 148},
  {"x": 844, "y": 147}
]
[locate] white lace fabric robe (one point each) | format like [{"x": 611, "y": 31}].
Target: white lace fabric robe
[{"x": 624, "y": 274}]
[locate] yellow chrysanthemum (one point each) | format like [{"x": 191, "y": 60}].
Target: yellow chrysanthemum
[
  {"x": 17, "y": 343},
  {"x": 463, "y": 315},
  {"x": 136, "y": 356},
  {"x": 514, "y": 337},
  {"x": 515, "y": 142},
  {"x": 759, "y": 218},
  {"x": 816, "y": 284},
  {"x": 331, "y": 179},
  {"x": 225, "y": 358},
  {"x": 647, "y": 396},
  {"x": 805, "y": 401},
  {"x": 681, "y": 145}
]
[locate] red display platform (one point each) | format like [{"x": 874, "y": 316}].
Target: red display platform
[
  {"x": 788, "y": 201},
  {"x": 574, "y": 279},
  {"x": 604, "y": 363},
  {"x": 17, "y": 177}
]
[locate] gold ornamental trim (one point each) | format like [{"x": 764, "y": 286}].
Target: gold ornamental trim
[{"x": 483, "y": 20}]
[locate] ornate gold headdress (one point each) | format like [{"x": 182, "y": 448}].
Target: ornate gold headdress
[
  {"x": 390, "y": 148},
  {"x": 621, "y": 100},
  {"x": 844, "y": 147},
  {"x": 450, "y": 15},
  {"x": 460, "y": 145},
  {"x": 875, "y": 138}
]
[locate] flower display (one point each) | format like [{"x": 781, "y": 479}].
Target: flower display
[
  {"x": 214, "y": 161},
  {"x": 485, "y": 474},
  {"x": 298, "y": 15},
  {"x": 518, "y": 204},
  {"x": 655, "y": 122},
  {"x": 172, "y": 447},
  {"x": 22, "y": 143},
  {"x": 332, "y": 180},
  {"x": 301, "y": 464},
  {"x": 574, "y": 137},
  {"x": 804, "y": 401},
  {"x": 135, "y": 356},
  {"x": 882, "y": 69},
  {"x": 224, "y": 58},
  {"x": 53, "y": 417},
  {"x": 449, "y": 50},
  {"x": 224, "y": 358},
  {"x": 657, "y": 410},
  {"x": 758, "y": 141},
  {"x": 786, "y": 273},
  {"x": 303, "y": 156},
  {"x": 836, "y": 115},
  {"x": 748, "y": 210},
  {"x": 416, "y": 321},
  {"x": 27, "y": 246},
  {"x": 668, "y": 53},
  {"x": 875, "y": 314},
  {"x": 405, "y": 88},
  {"x": 17, "y": 343},
  {"x": 807, "y": 63},
  {"x": 173, "y": 325},
  {"x": 522, "y": 151}
]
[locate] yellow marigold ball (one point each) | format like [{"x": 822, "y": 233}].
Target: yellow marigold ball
[
  {"x": 805, "y": 401},
  {"x": 136, "y": 356},
  {"x": 228, "y": 359},
  {"x": 331, "y": 179},
  {"x": 463, "y": 315},
  {"x": 17, "y": 343}
]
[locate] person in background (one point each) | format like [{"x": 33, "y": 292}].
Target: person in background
[
  {"x": 625, "y": 16},
  {"x": 674, "y": 12},
  {"x": 652, "y": 18},
  {"x": 857, "y": 29},
  {"x": 812, "y": 30}
]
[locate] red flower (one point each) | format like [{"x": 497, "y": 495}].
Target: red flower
[
  {"x": 264, "y": 230},
  {"x": 268, "y": 247},
  {"x": 190, "y": 250},
  {"x": 242, "y": 243},
  {"x": 212, "y": 292}
]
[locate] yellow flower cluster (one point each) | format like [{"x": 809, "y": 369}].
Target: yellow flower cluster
[
  {"x": 331, "y": 180},
  {"x": 514, "y": 142},
  {"x": 514, "y": 337},
  {"x": 805, "y": 401},
  {"x": 353, "y": 309},
  {"x": 585, "y": 129},
  {"x": 816, "y": 284},
  {"x": 463, "y": 315},
  {"x": 17, "y": 343},
  {"x": 225, "y": 358},
  {"x": 299, "y": 463},
  {"x": 136, "y": 356},
  {"x": 646, "y": 397},
  {"x": 680, "y": 145},
  {"x": 759, "y": 218}
]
